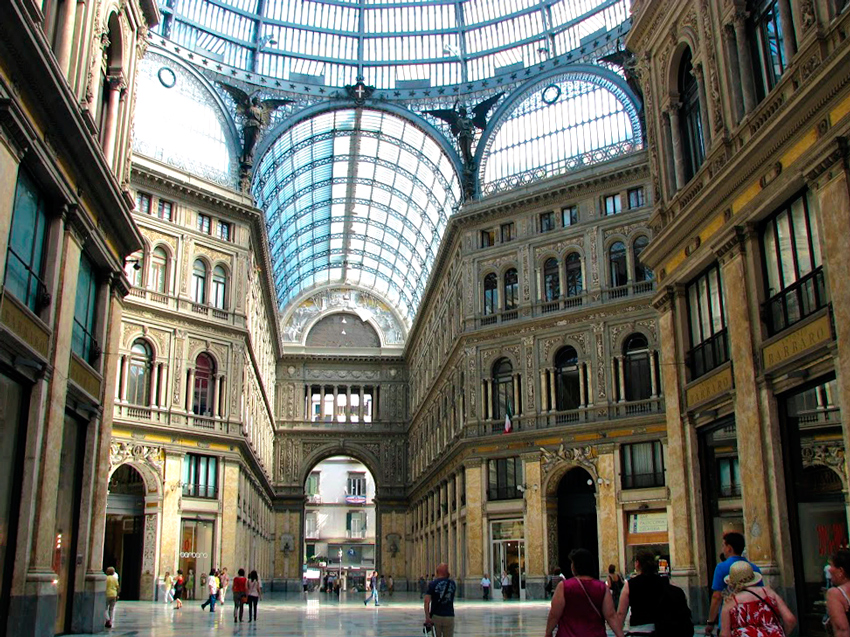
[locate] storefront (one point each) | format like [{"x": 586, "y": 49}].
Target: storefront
[
  {"x": 197, "y": 539},
  {"x": 508, "y": 555},
  {"x": 647, "y": 530},
  {"x": 813, "y": 456}
]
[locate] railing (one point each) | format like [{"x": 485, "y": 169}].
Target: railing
[
  {"x": 573, "y": 417},
  {"x": 630, "y": 289},
  {"x": 643, "y": 480},
  {"x": 797, "y": 301},
  {"x": 200, "y": 491},
  {"x": 353, "y": 534},
  {"x": 510, "y": 315},
  {"x": 200, "y": 309},
  {"x": 550, "y": 306},
  {"x": 819, "y": 417},
  {"x": 153, "y": 415},
  {"x": 489, "y": 320},
  {"x": 708, "y": 355},
  {"x": 730, "y": 490},
  {"x": 156, "y": 297},
  {"x": 504, "y": 493}
]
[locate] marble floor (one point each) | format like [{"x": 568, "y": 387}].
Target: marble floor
[{"x": 320, "y": 615}]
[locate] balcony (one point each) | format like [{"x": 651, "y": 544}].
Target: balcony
[
  {"x": 799, "y": 300},
  {"x": 643, "y": 480},
  {"x": 139, "y": 414},
  {"x": 355, "y": 534}
]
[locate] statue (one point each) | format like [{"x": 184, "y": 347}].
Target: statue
[
  {"x": 463, "y": 128},
  {"x": 256, "y": 114}
]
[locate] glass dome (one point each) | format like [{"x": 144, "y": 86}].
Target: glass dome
[{"x": 391, "y": 44}]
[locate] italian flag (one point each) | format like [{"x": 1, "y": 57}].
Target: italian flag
[{"x": 508, "y": 424}]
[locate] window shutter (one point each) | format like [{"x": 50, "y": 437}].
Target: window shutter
[{"x": 348, "y": 521}]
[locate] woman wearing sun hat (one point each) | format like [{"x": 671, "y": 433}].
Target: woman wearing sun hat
[{"x": 753, "y": 612}]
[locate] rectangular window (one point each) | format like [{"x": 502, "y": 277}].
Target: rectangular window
[
  {"x": 793, "y": 266},
  {"x": 313, "y": 483},
  {"x": 547, "y": 221},
  {"x": 729, "y": 477},
  {"x": 25, "y": 256},
  {"x": 200, "y": 476},
  {"x": 355, "y": 524},
  {"x": 505, "y": 479},
  {"x": 224, "y": 231},
  {"x": 83, "y": 343},
  {"x": 637, "y": 198},
  {"x": 508, "y": 232},
  {"x": 143, "y": 203},
  {"x": 643, "y": 465},
  {"x": 613, "y": 205},
  {"x": 707, "y": 321},
  {"x": 767, "y": 39},
  {"x": 204, "y": 223},
  {"x": 356, "y": 484},
  {"x": 488, "y": 238},
  {"x": 311, "y": 524},
  {"x": 569, "y": 216},
  {"x": 164, "y": 211}
]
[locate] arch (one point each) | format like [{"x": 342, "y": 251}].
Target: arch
[
  {"x": 219, "y": 287},
  {"x": 342, "y": 448},
  {"x": 642, "y": 272},
  {"x": 618, "y": 271},
  {"x": 619, "y": 344},
  {"x": 200, "y": 280},
  {"x": 691, "y": 133},
  {"x": 596, "y": 75},
  {"x": 687, "y": 44},
  {"x": 573, "y": 274},
  {"x": 115, "y": 48},
  {"x": 490, "y": 300},
  {"x": 140, "y": 373},
  {"x": 637, "y": 369},
  {"x": 510, "y": 286},
  {"x": 567, "y": 379},
  {"x": 568, "y": 495},
  {"x": 551, "y": 271},
  {"x": 358, "y": 333},
  {"x": 150, "y": 475},
  {"x": 204, "y": 390},
  {"x": 159, "y": 270}
]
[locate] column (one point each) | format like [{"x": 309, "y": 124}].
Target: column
[
  {"x": 622, "y": 377},
  {"x": 489, "y": 396},
  {"x": 115, "y": 86},
  {"x": 516, "y": 393},
  {"x": 152, "y": 386},
  {"x": 734, "y": 70},
  {"x": 336, "y": 403},
  {"x": 125, "y": 370},
  {"x": 360, "y": 406},
  {"x": 65, "y": 34},
  {"x": 748, "y": 418},
  {"x": 582, "y": 372},
  {"x": 544, "y": 392},
  {"x": 670, "y": 162},
  {"x": 348, "y": 403},
  {"x": 745, "y": 62},
  {"x": 553, "y": 396},
  {"x": 789, "y": 39},
  {"x": 535, "y": 535},
  {"x": 221, "y": 396},
  {"x": 475, "y": 470},
  {"x": 190, "y": 387},
  {"x": 705, "y": 111},
  {"x": 652, "y": 372},
  {"x": 322, "y": 403},
  {"x": 676, "y": 138}
]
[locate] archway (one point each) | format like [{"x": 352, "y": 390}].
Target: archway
[
  {"x": 123, "y": 545},
  {"x": 340, "y": 546},
  {"x": 576, "y": 516}
]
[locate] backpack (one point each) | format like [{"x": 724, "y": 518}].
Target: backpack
[{"x": 675, "y": 618}]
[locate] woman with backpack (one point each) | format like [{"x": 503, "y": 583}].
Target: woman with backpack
[{"x": 641, "y": 594}]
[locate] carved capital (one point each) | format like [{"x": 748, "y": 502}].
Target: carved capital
[{"x": 835, "y": 153}]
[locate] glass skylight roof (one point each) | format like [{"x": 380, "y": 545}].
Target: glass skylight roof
[
  {"x": 392, "y": 44},
  {"x": 356, "y": 197}
]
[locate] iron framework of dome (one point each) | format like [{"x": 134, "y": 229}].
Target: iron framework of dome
[{"x": 358, "y": 190}]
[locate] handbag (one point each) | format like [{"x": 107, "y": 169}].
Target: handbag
[
  {"x": 588, "y": 598},
  {"x": 244, "y": 598}
]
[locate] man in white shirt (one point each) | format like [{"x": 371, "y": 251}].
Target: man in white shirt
[{"x": 485, "y": 586}]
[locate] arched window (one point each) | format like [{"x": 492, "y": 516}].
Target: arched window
[
  {"x": 551, "y": 280},
  {"x": 202, "y": 394},
  {"x": 139, "y": 374},
  {"x": 219, "y": 287},
  {"x": 690, "y": 120},
  {"x": 511, "y": 289},
  {"x": 199, "y": 282},
  {"x": 642, "y": 272},
  {"x": 491, "y": 285},
  {"x": 617, "y": 262},
  {"x": 159, "y": 270},
  {"x": 574, "y": 285},
  {"x": 503, "y": 389},
  {"x": 636, "y": 368},
  {"x": 133, "y": 268},
  {"x": 567, "y": 392}
]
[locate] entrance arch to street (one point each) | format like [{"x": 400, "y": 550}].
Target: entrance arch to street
[
  {"x": 571, "y": 505},
  {"x": 341, "y": 534}
]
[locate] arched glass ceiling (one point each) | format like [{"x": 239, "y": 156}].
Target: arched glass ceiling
[
  {"x": 391, "y": 43},
  {"x": 356, "y": 197},
  {"x": 562, "y": 124}
]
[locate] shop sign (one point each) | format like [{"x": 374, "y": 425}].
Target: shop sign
[
  {"x": 21, "y": 324},
  {"x": 648, "y": 522},
  {"x": 798, "y": 342},
  {"x": 192, "y": 554},
  {"x": 710, "y": 387},
  {"x": 508, "y": 530}
]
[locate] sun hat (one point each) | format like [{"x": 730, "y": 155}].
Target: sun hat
[{"x": 741, "y": 575}]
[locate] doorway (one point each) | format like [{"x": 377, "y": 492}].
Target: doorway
[
  {"x": 124, "y": 539},
  {"x": 577, "y": 517},
  {"x": 508, "y": 551},
  {"x": 196, "y": 555}
]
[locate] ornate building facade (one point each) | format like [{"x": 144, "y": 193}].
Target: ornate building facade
[
  {"x": 67, "y": 93},
  {"x": 746, "y": 120}
]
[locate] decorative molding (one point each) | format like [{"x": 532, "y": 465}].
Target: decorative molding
[
  {"x": 825, "y": 454},
  {"x": 582, "y": 456}
]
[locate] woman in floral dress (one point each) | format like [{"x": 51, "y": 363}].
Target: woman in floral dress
[{"x": 750, "y": 610}]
